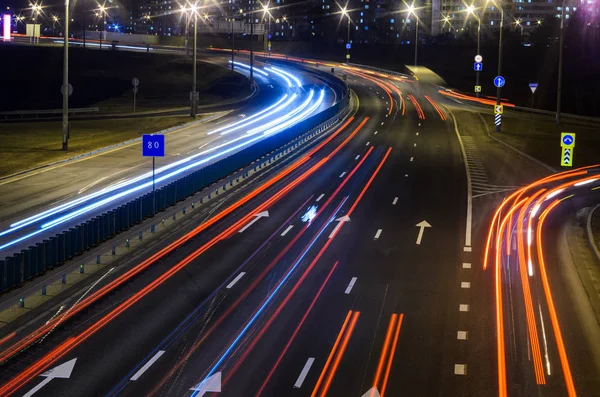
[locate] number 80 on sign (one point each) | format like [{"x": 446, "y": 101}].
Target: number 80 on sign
[{"x": 153, "y": 145}]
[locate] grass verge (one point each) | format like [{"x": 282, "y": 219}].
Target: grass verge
[{"x": 28, "y": 145}]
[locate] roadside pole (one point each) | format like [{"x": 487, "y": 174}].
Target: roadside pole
[
  {"x": 135, "y": 82},
  {"x": 66, "y": 93}
]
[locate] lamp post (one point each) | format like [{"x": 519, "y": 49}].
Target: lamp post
[
  {"x": 36, "y": 9},
  {"x": 346, "y": 14},
  {"x": 518, "y": 24},
  {"x": 102, "y": 10},
  {"x": 447, "y": 21},
  {"x": 411, "y": 10},
  {"x": 266, "y": 10},
  {"x": 65, "y": 110},
  {"x": 560, "y": 63},
  {"x": 471, "y": 11},
  {"x": 54, "y": 20},
  {"x": 194, "y": 93}
]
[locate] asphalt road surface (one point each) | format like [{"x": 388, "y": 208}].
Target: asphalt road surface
[{"x": 365, "y": 278}]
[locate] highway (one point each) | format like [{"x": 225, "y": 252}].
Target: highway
[
  {"x": 361, "y": 268},
  {"x": 39, "y": 204}
]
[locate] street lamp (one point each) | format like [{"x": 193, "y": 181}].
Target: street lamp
[
  {"x": 65, "y": 90},
  {"x": 518, "y": 24},
  {"x": 194, "y": 94},
  {"x": 266, "y": 10},
  {"x": 54, "y": 20},
  {"x": 446, "y": 20},
  {"x": 346, "y": 14},
  {"x": 471, "y": 11},
  {"x": 35, "y": 10},
  {"x": 102, "y": 12},
  {"x": 411, "y": 10}
]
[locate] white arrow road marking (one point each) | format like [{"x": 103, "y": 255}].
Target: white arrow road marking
[
  {"x": 235, "y": 280},
  {"x": 287, "y": 230},
  {"x": 350, "y": 286},
  {"x": 373, "y": 392},
  {"x": 210, "y": 384},
  {"x": 340, "y": 221},
  {"x": 139, "y": 373},
  {"x": 304, "y": 372},
  {"x": 256, "y": 218},
  {"x": 421, "y": 225},
  {"x": 63, "y": 371}
]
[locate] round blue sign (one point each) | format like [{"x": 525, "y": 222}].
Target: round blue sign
[
  {"x": 499, "y": 81},
  {"x": 567, "y": 140}
]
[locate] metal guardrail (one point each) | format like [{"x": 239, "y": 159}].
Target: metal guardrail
[{"x": 46, "y": 112}]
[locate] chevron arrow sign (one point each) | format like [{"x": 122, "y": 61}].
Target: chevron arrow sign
[{"x": 566, "y": 159}]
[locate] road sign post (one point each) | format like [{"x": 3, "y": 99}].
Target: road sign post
[
  {"x": 135, "y": 82},
  {"x": 533, "y": 87},
  {"x": 153, "y": 146},
  {"x": 567, "y": 143}
]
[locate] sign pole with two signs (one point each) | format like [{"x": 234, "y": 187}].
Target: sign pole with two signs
[
  {"x": 153, "y": 146},
  {"x": 567, "y": 143}
]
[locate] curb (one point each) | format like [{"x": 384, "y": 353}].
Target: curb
[{"x": 590, "y": 234}]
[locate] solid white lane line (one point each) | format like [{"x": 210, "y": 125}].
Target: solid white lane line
[
  {"x": 395, "y": 201},
  {"x": 304, "y": 372},
  {"x": 357, "y": 157},
  {"x": 286, "y": 230},
  {"x": 378, "y": 234},
  {"x": 465, "y": 284},
  {"x": 139, "y": 373},
  {"x": 342, "y": 174},
  {"x": 350, "y": 285},
  {"x": 320, "y": 197},
  {"x": 469, "y": 220},
  {"x": 466, "y": 265},
  {"x": 235, "y": 280}
]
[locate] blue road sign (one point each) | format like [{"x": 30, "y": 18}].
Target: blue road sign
[
  {"x": 478, "y": 66},
  {"x": 153, "y": 145},
  {"x": 567, "y": 139},
  {"x": 348, "y": 46},
  {"x": 499, "y": 81},
  {"x": 533, "y": 85}
]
